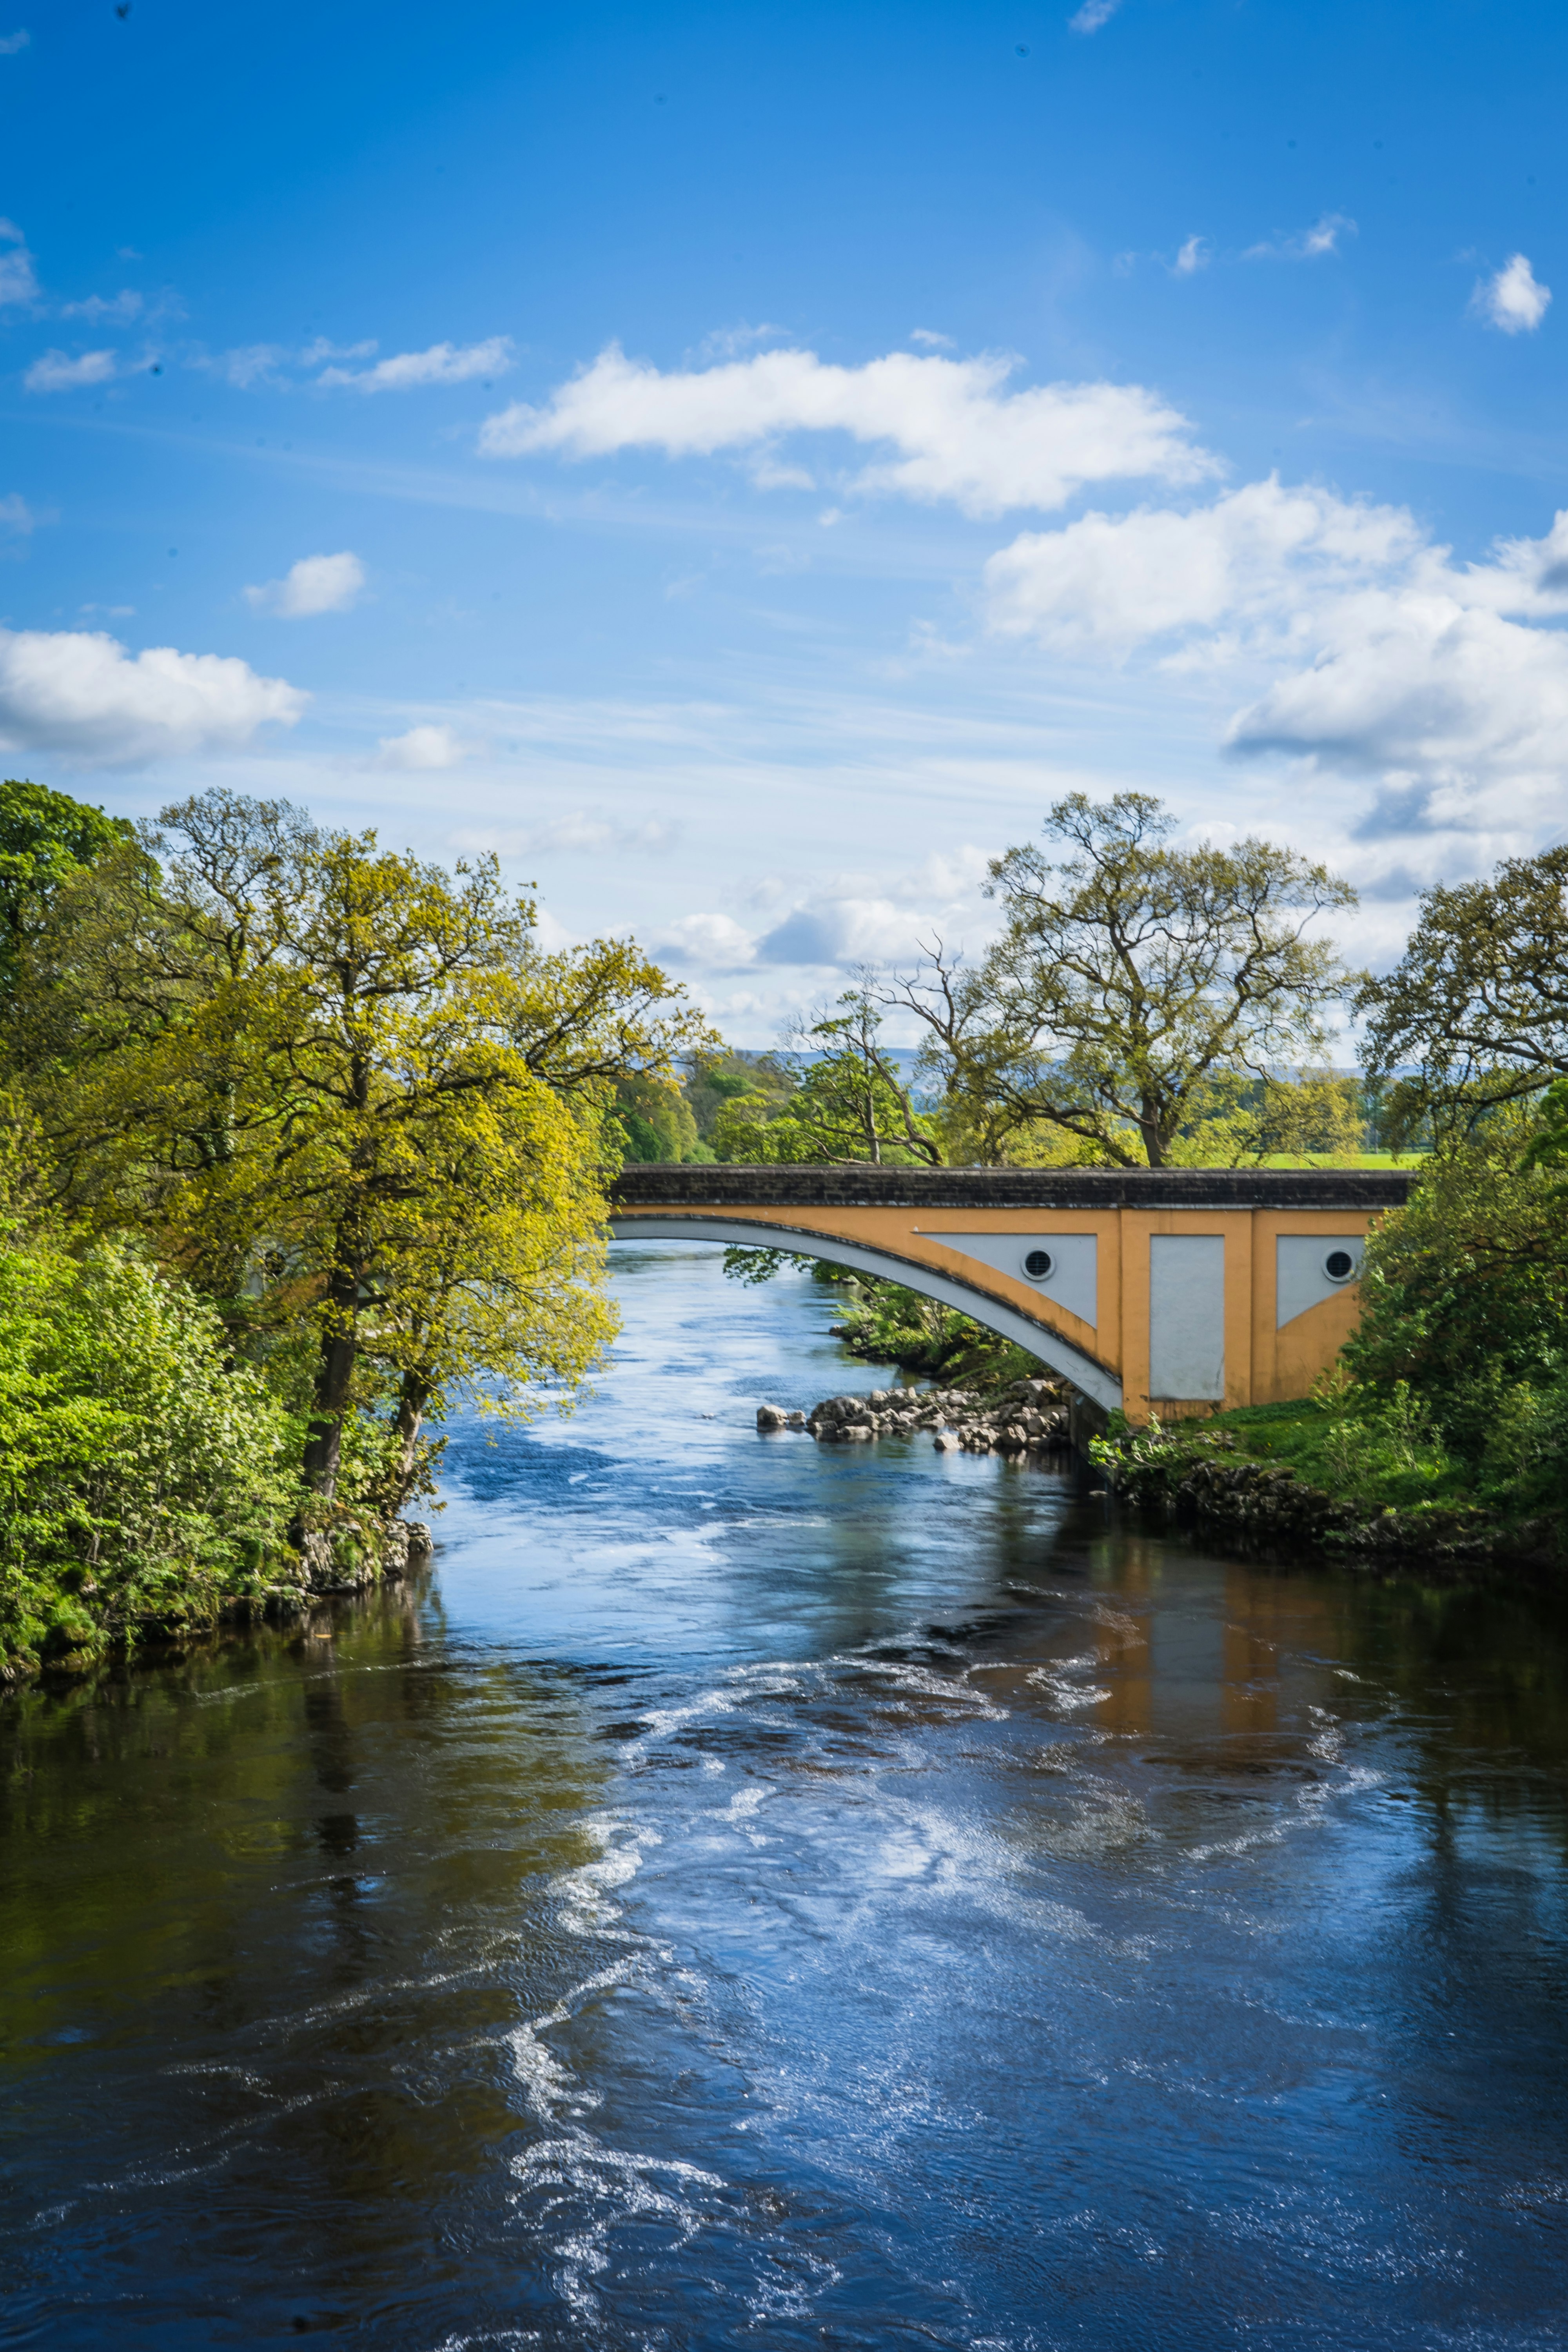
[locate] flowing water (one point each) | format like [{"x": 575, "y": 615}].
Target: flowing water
[{"x": 763, "y": 1896}]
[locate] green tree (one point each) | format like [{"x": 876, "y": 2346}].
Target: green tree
[
  {"x": 1126, "y": 976},
  {"x": 849, "y": 1104},
  {"x": 348, "y": 1095},
  {"x": 44, "y": 838},
  {"x": 1465, "y": 1289},
  {"x": 1475, "y": 1013}
]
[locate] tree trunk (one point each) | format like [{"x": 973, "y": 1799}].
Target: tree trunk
[
  {"x": 334, "y": 1379},
  {"x": 411, "y": 1400}
]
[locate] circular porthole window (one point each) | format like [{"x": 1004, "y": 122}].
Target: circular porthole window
[
  {"x": 1037, "y": 1265},
  {"x": 1339, "y": 1266}
]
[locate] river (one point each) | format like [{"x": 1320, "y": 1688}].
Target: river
[{"x": 761, "y": 1896}]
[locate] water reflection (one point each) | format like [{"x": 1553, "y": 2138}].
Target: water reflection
[{"x": 766, "y": 1896}]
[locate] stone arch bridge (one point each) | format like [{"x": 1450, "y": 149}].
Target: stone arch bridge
[{"x": 1173, "y": 1291}]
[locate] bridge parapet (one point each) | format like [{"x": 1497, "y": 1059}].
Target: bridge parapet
[{"x": 1175, "y": 1290}]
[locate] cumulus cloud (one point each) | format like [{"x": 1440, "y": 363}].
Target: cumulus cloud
[
  {"x": 844, "y": 920},
  {"x": 1250, "y": 560},
  {"x": 18, "y": 281},
  {"x": 57, "y": 372},
  {"x": 421, "y": 747},
  {"x": 316, "y": 583},
  {"x": 1513, "y": 299},
  {"x": 83, "y": 695},
  {"x": 1390, "y": 660},
  {"x": 1196, "y": 255},
  {"x": 957, "y": 433},
  {"x": 1092, "y": 15},
  {"x": 442, "y": 364},
  {"x": 122, "y": 308}
]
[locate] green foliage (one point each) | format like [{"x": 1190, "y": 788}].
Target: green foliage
[
  {"x": 1464, "y": 1290},
  {"x": 1475, "y": 1013},
  {"x": 142, "y": 1476},
  {"x": 44, "y": 838},
  {"x": 1128, "y": 976},
  {"x": 655, "y": 1120},
  {"x": 714, "y": 1080},
  {"x": 1240, "y": 1120},
  {"x": 847, "y": 1103}
]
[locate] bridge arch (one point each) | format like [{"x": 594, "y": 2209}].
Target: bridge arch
[{"x": 948, "y": 1290}]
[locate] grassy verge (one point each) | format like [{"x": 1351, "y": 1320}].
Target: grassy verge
[{"x": 1317, "y": 1473}]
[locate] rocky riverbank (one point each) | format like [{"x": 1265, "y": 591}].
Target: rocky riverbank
[{"x": 1028, "y": 1416}]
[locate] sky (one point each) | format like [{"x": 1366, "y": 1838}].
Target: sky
[{"x": 743, "y": 464}]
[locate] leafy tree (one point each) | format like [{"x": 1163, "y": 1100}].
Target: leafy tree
[
  {"x": 849, "y": 1102},
  {"x": 1464, "y": 1290},
  {"x": 1244, "y": 1121},
  {"x": 655, "y": 1120},
  {"x": 346, "y": 1093},
  {"x": 44, "y": 838},
  {"x": 713, "y": 1080},
  {"x": 1126, "y": 977},
  {"x": 1479, "y": 1001}
]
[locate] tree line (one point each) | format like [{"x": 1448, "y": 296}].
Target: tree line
[{"x": 306, "y": 1142}]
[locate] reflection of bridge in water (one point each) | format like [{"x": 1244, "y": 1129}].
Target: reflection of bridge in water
[{"x": 1155, "y": 1289}]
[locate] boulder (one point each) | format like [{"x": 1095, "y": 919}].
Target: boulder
[{"x": 769, "y": 1416}]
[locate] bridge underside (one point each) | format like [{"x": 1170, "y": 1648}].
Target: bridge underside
[
  {"x": 1169, "y": 1291},
  {"x": 948, "y": 1290}
]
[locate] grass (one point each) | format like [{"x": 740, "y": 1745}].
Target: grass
[{"x": 1384, "y": 1457}]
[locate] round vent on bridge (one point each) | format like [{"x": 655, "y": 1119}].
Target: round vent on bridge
[
  {"x": 1339, "y": 1266},
  {"x": 1037, "y": 1265}
]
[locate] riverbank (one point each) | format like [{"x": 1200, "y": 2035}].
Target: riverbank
[
  {"x": 93, "y": 1622},
  {"x": 1289, "y": 1476}
]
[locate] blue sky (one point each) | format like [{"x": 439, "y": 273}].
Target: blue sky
[{"x": 742, "y": 464}]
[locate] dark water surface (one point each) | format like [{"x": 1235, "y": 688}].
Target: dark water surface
[{"x": 765, "y": 1896}]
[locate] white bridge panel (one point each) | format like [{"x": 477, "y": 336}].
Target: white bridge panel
[
  {"x": 1302, "y": 1275},
  {"x": 1072, "y": 1279},
  {"x": 1187, "y": 1317}
]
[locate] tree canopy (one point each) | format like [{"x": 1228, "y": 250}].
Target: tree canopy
[
  {"x": 1129, "y": 974},
  {"x": 1475, "y": 1013},
  {"x": 348, "y": 1097}
]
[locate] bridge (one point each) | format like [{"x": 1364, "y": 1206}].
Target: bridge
[{"x": 1167, "y": 1290}]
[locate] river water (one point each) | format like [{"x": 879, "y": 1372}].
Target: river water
[{"x": 763, "y": 1896}]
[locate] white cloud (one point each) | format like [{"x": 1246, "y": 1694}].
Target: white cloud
[
  {"x": 1248, "y": 560},
  {"x": 11, "y": 44},
  {"x": 932, "y": 339},
  {"x": 316, "y": 583},
  {"x": 1389, "y": 659},
  {"x": 250, "y": 363},
  {"x": 19, "y": 281},
  {"x": 84, "y": 696},
  {"x": 122, "y": 307},
  {"x": 713, "y": 942},
  {"x": 57, "y": 372},
  {"x": 422, "y": 748},
  {"x": 1513, "y": 299},
  {"x": 314, "y": 353},
  {"x": 442, "y": 364},
  {"x": 959, "y": 436},
  {"x": 17, "y": 516},
  {"x": 1092, "y": 15},
  {"x": 1310, "y": 244},
  {"x": 1196, "y": 255}
]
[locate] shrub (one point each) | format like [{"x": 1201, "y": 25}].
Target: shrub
[{"x": 142, "y": 1478}]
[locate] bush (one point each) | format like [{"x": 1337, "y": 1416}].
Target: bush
[{"x": 143, "y": 1479}]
